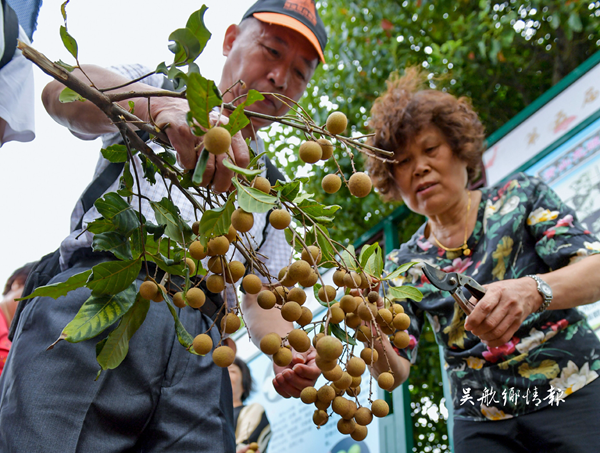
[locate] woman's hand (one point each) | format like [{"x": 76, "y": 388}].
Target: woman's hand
[
  {"x": 503, "y": 309},
  {"x": 302, "y": 372}
]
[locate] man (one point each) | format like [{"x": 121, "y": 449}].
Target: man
[{"x": 161, "y": 397}]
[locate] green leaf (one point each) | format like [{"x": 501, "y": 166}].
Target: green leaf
[
  {"x": 184, "y": 337},
  {"x": 197, "y": 27},
  {"x": 341, "y": 334},
  {"x": 242, "y": 171},
  {"x": 63, "y": 9},
  {"x": 253, "y": 200},
  {"x": 185, "y": 46},
  {"x": 316, "y": 288},
  {"x": 68, "y": 41},
  {"x": 321, "y": 238},
  {"x": 149, "y": 168},
  {"x": 200, "y": 167},
  {"x": 348, "y": 258},
  {"x": 116, "y": 153},
  {"x": 575, "y": 22},
  {"x": 238, "y": 119},
  {"x": 115, "y": 347},
  {"x": 404, "y": 292},
  {"x": 100, "y": 225},
  {"x": 288, "y": 190},
  {"x": 374, "y": 265},
  {"x": 168, "y": 214},
  {"x": 317, "y": 211},
  {"x": 65, "y": 66},
  {"x": 68, "y": 95},
  {"x": 215, "y": 222},
  {"x": 366, "y": 252},
  {"x": 126, "y": 182},
  {"x": 98, "y": 313},
  {"x": 256, "y": 158},
  {"x": 169, "y": 157},
  {"x": 112, "y": 277},
  {"x": 203, "y": 95},
  {"x": 56, "y": 290},
  {"x": 399, "y": 271},
  {"x": 162, "y": 68},
  {"x": 113, "y": 242},
  {"x": 114, "y": 208}
]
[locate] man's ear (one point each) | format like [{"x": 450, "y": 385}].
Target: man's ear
[{"x": 230, "y": 36}]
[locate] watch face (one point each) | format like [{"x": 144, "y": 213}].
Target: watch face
[{"x": 545, "y": 289}]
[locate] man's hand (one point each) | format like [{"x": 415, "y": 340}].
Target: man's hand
[
  {"x": 302, "y": 372},
  {"x": 503, "y": 309}
]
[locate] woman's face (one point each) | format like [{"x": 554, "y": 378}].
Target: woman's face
[
  {"x": 235, "y": 376},
  {"x": 428, "y": 174}
]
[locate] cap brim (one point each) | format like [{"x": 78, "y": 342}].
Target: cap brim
[{"x": 294, "y": 24}]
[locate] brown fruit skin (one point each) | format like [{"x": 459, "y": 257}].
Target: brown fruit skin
[
  {"x": 346, "y": 426},
  {"x": 148, "y": 290},
  {"x": 266, "y": 299},
  {"x": 310, "y": 152},
  {"x": 373, "y": 296},
  {"x": 364, "y": 334},
  {"x": 326, "y": 148},
  {"x": 327, "y": 293},
  {"x": 360, "y": 433},
  {"x": 331, "y": 183},
  {"x": 280, "y": 219},
  {"x": 316, "y": 338},
  {"x": 337, "y": 314},
  {"x": 334, "y": 374},
  {"x": 401, "y": 321},
  {"x": 284, "y": 277},
  {"x": 308, "y": 395},
  {"x": 312, "y": 255},
  {"x": 231, "y": 234},
  {"x": 196, "y": 227},
  {"x": 218, "y": 246},
  {"x": 242, "y": 221},
  {"x": 191, "y": 266},
  {"x": 291, "y": 311},
  {"x": 396, "y": 309},
  {"x": 344, "y": 382},
  {"x": 202, "y": 344},
  {"x": 309, "y": 281},
  {"x": 283, "y": 357},
  {"x": 369, "y": 354},
  {"x": 325, "y": 365},
  {"x": 306, "y": 317},
  {"x": 325, "y": 394},
  {"x": 384, "y": 316},
  {"x": 356, "y": 366},
  {"x": 230, "y": 323},
  {"x": 253, "y": 446},
  {"x": 215, "y": 283},
  {"x": 380, "y": 408},
  {"x": 367, "y": 312},
  {"x": 178, "y": 300},
  {"x": 270, "y": 343},
  {"x": 320, "y": 417},
  {"x": 348, "y": 303},
  {"x": 195, "y": 297},
  {"x": 338, "y": 277},
  {"x": 360, "y": 184},
  {"x": 353, "y": 320},
  {"x": 197, "y": 251},
  {"x": 385, "y": 380},
  {"x": 329, "y": 348},
  {"x": 217, "y": 140},
  {"x": 234, "y": 272},
  {"x": 300, "y": 270},
  {"x": 363, "y": 416},
  {"x": 252, "y": 284},
  {"x": 401, "y": 339},
  {"x": 336, "y": 123},
  {"x": 215, "y": 265},
  {"x": 340, "y": 405},
  {"x": 298, "y": 339},
  {"x": 297, "y": 295},
  {"x": 352, "y": 280},
  {"x": 223, "y": 356},
  {"x": 261, "y": 183},
  {"x": 281, "y": 293},
  {"x": 159, "y": 295}
]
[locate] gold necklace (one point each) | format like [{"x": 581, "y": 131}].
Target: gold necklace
[{"x": 463, "y": 247}]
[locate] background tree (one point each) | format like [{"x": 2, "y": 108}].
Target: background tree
[{"x": 503, "y": 55}]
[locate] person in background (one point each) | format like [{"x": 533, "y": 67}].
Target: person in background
[
  {"x": 251, "y": 422},
  {"x": 12, "y": 290}
]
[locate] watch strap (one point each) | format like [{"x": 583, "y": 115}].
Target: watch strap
[{"x": 547, "y": 299}]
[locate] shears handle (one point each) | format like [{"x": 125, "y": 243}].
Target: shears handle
[{"x": 476, "y": 290}]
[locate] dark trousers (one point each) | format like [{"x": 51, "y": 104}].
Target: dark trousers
[
  {"x": 571, "y": 427},
  {"x": 161, "y": 398}
]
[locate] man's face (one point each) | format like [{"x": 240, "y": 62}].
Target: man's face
[{"x": 268, "y": 58}]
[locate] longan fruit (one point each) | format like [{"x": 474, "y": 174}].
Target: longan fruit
[
  {"x": 218, "y": 246},
  {"x": 340, "y": 405},
  {"x": 230, "y": 323},
  {"x": 231, "y": 234},
  {"x": 261, "y": 183},
  {"x": 335, "y": 374},
  {"x": 353, "y": 320},
  {"x": 299, "y": 270},
  {"x": 380, "y": 408},
  {"x": 148, "y": 290},
  {"x": 325, "y": 365},
  {"x": 320, "y": 417},
  {"x": 369, "y": 354},
  {"x": 316, "y": 338},
  {"x": 344, "y": 382},
  {"x": 306, "y": 317},
  {"x": 346, "y": 426},
  {"x": 309, "y": 281},
  {"x": 215, "y": 265},
  {"x": 337, "y": 314},
  {"x": 338, "y": 277},
  {"x": 353, "y": 392},
  {"x": 373, "y": 296},
  {"x": 178, "y": 300},
  {"x": 351, "y": 410},
  {"x": 326, "y": 148},
  {"x": 336, "y": 123},
  {"x": 348, "y": 303},
  {"x": 360, "y": 184},
  {"x": 280, "y": 219},
  {"x": 352, "y": 280},
  {"x": 270, "y": 343},
  {"x": 252, "y": 284},
  {"x": 196, "y": 227},
  {"x": 242, "y": 221},
  {"x": 223, "y": 356},
  {"x": 360, "y": 432},
  {"x": 195, "y": 297},
  {"x": 325, "y": 394},
  {"x": 217, "y": 140},
  {"x": 385, "y": 380},
  {"x": 356, "y": 381},
  {"x": 327, "y": 293},
  {"x": 234, "y": 271},
  {"x": 266, "y": 299},
  {"x": 159, "y": 294},
  {"x": 323, "y": 405},
  {"x": 310, "y": 152},
  {"x": 364, "y": 334},
  {"x": 297, "y": 295},
  {"x": 312, "y": 255},
  {"x": 396, "y": 309},
  {"x": 215, "y": 283},
  {"x": 281, "y": 293},
  {"x": 331, "y": 183},
  {"x": 298, "y": 339},
  {"x": 284, "y": 277},
  {"x": 401, "y": 339},
  {"x": 384, "y": 316},
  {"x": 364, "y": 281},
  {"x": 366, "y": 311},
  {"x": 202, "y": 344},
  {"x": 356, "y": 366},
  {"x": 191, "y": 265},
  {"x": 291, "y": 311},
  {"x": 308, "y": 395},
  {"x": 329, "y": 348},
  {"x": 197, "y": 250},
  {"x": 401, "y": 321},
  {"x": 363, "y": 416},
  {"x": 283, "y": 357},
  {"x": 253, "y": 446}
]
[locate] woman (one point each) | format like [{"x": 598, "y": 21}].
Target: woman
[
  {"x": 251, "y": 422},
  {"x": 524, "y": 347}
]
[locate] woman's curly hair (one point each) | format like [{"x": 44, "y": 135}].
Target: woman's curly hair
[{"x": 405, "y": 108}]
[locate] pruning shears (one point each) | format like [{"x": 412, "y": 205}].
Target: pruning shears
[{"x": 452, "y": 282}]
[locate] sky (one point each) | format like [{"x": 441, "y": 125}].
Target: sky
[{"x": 42, "y": 180}]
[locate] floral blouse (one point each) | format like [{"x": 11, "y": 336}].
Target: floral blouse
[{"x": 522, "y": 228}]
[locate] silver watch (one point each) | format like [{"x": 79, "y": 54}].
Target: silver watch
[{"x": 545, "y": 291}]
